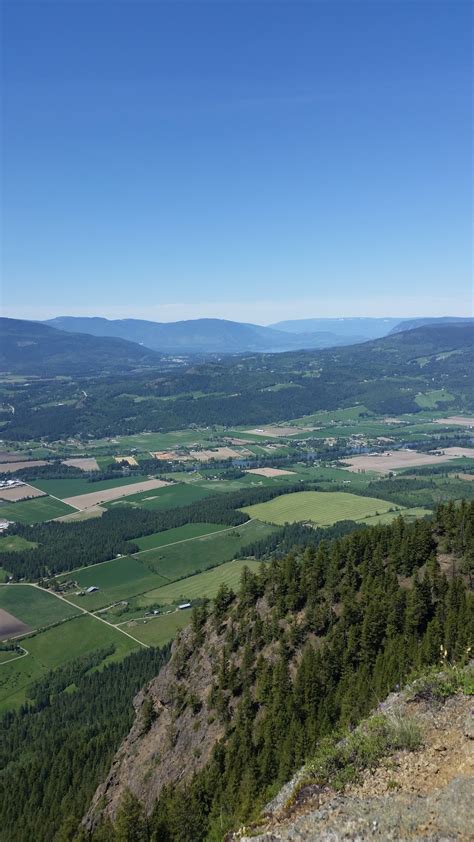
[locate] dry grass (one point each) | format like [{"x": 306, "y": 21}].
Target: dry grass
[
  {"x": 94, "y": 498},
  {"x": 269, "y": 472}
]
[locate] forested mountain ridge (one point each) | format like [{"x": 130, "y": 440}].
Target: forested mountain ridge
[
  {"x": 254, "y": 685},
  {"x": 33, "y": 348},
  {"x": 384, "y": 375}
]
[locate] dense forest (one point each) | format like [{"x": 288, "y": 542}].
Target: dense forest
[
  {"x": 384, "y": 375},
  {"x": 56, "y": 749},
  {"x": 306, "y": 647}
]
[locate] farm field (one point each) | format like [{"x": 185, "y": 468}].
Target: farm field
[
  {"x": 35, "y": 607},
  {"x": 94, "y": 498},
  {"x": 170, "y": 497},
  {"x": 11, "y": 467},
  {"x": 53, "y": 648},
  {"x": 21, "y": 492},
  {"x": 34, "y": 511},
  {"x": 180, "y": 560},
  {"x": 117, "y": 579},
  {"x": 156, "y": 631},
  {"x": 181, "y": 533},
  {"x": 319, "y": 507},
  {"x": 74, "y": 487},
  {"x": 202, "y": 585},
  {"x": 384, "y": 463},
  {"x": 157, "y": 441},
  {"x": 84, "y": 463}
]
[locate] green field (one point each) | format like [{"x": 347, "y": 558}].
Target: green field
[
  {"x": 407, "y": 514},
  {"x": 169, "y": 497},
  {"x": 14, "y": 543},
  {"x": 430, "y": 400},
  {"x": 34, "y": 511},
  {"x": 117, "y": 580},
  {"x": 55, "y": 647},
  {"x": 182, "y": 560},
  {"x": 319, "y": 507},
  {"x": 156, "y": 631},
  {"x": 36, "y": 607},
  {"x": 156, "y": 441},
  {"x": 202, "y": 585},
  {"x": 63, "y": 488},
  {"x": 181, "y": 533}
]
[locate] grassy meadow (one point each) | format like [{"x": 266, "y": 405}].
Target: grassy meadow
[
  {"x": 35, "y": 510},
  {"x": 319, "y": 507}
]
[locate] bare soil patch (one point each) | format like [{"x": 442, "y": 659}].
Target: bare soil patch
[
  {"x": 21, "y": 492},
  {"x": 94, "y": 498},
  {"x": 9, "y": 456},
  {"x": 466, "y": 477},
  {"x": 85, "y": 463},
  {"x": 269, "y": 472},
  {"x": 390, "y": 461},
  {"x": 11, "y": 467},
  {"x": 218, "y": 453},
  {"x": 460, "y": 420},
  {"x": 10, "y": 625}
]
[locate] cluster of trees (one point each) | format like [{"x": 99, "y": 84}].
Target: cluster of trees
[
  {"x": 54, "y": 752},
  {"x": 309, "y": 646}
]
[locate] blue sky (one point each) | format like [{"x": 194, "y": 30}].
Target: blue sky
[{"x": 248, "y": 160}]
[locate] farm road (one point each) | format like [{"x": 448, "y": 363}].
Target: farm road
[{"x": 78, "y": 608}]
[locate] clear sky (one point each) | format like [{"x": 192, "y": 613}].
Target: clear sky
[{"x": 249, "y": 160}]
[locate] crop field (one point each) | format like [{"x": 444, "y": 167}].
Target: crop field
[
  {"x": 11, "y": 467},
  {"x": 156, "y": 631},
  {"x": 180, "y": 533},
  {"x": 457, "y": 420},
  {"x": 117, "y": 580},
  {"x": 34, "y": 511},
  {"x": 170, "y": 497},
  {"x": 74, "y": 487},
  {"x": 84, "y": 463},
  {"x": 182, "y": 560},
  {"x": 53, "y": 648},
  {"x": 157, "y": 441},
  {"x": 319, "y": 507},
  {"x": 202, "y": 585},
  {"x": 94, "y": 498},
  {"x": 21, "y": 492},
  {"x": 35, "y": 607},
  {"x": 396, "y": 459}
]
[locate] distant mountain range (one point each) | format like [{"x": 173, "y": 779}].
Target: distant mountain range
[
  {"x": 33, "y": 348},
  {"x": 220, "y": 336}
]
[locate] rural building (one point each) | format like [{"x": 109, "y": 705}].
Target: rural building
[
  {"x": 184, "y": 605},
  {"x": 92, "y": 589}
]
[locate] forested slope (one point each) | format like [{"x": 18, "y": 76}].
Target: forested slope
[{"x": 253, "y": 686}]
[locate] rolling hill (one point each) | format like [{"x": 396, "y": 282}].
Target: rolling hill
[{"x": 36, "y": 349}]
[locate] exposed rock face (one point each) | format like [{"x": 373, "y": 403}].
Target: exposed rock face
[
  {"x": 426, "y": 795},
  {"x": 172, "y": 736}
]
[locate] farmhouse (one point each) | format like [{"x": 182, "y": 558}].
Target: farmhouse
[
  {"x": 92, "y": 589},
  {"x": 184, "y": 605}
]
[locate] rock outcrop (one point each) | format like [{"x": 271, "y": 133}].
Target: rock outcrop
[{"x": 425, "y": 795}]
